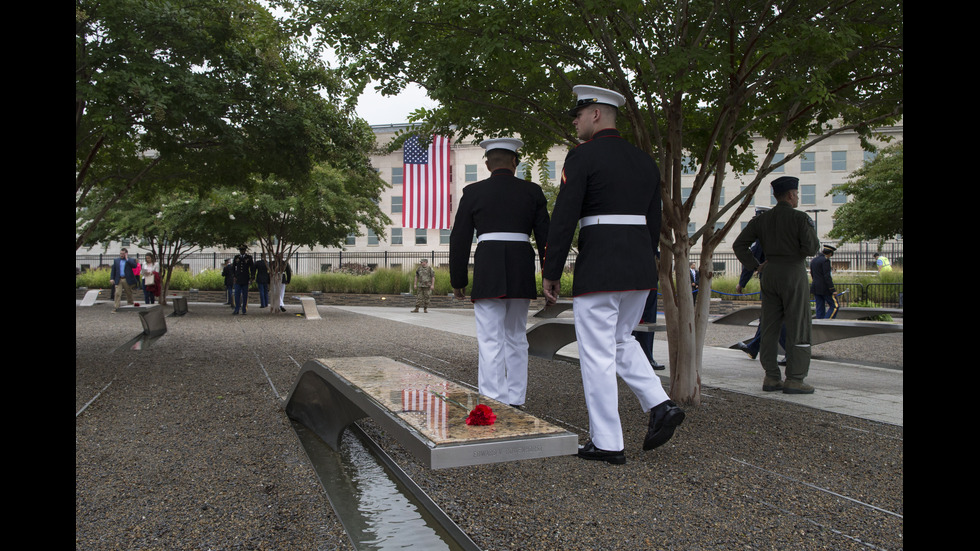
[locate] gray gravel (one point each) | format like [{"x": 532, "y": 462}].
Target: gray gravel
[{"x": 187, "y": 447}]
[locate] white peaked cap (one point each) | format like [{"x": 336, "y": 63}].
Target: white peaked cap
[
  {"x": 587, "y": 95},
  {"x": 510, "y": 144}
]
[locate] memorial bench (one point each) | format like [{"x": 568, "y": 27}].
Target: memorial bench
[
  {"x": 425, "y": 413},
  {"x": 553, "y": 310},
  {"x": 546, "y": 338},
  {"x": 822, "y": 330},
  {"x": 180, "y": 305},
  {"x": 89, "y": 298},
  {"x": 745, "y": 316},
  {"x": 309, "y": 307},
  {"x": 154, "y": 324}
]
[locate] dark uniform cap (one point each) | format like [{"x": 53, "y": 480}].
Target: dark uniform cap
[
  {"x": 785, "y": 183},
  {"x": 829, "y": 249}
]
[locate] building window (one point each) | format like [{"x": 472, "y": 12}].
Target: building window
[
  {"x": 808, "y": 162},
  {"x": 444, "y": 237},
  {"x": 839, "y": 197},
  {"x": 421, "y": 237},
  {"x": 687, "y": 167},
  {"x": 869, "y": 156},
  {"x": 351, "y": 239},
  {"x": 522, "y": 171},
  {"x": 752, "y": 200},
  {"x": 778, "y": 158},
  {"x": 838, "y": 160},
  {"x": 551, "y": 169},
  {"x": 469, "y": 173},
  {"x": 372, "y": 237},
  {"x": 396, "y": 205},
  {"x": 396, "y": 236},
  {"x": 808, "y": 194},
  {"x": 397, "y": 176}
]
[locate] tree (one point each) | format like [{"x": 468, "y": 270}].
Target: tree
[
  {"x": 876, "y": 206},
  {"x": 193, "y": 95},
  {"x": 285, "y": 215},
  {"x": 170, "y": 225},
  {"x": 702, "y": 79}
]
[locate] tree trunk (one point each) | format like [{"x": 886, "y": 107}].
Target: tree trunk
[
  {"x": 682, "y": 342},
  {"x": 686, "y": 316},
  {"x": 275, "y": 283}
]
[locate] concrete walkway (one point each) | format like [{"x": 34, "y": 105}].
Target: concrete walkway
[{"x": 867, "y": 392}]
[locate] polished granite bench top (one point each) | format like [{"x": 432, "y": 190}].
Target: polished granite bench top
[{"x": 431, "y": 405}]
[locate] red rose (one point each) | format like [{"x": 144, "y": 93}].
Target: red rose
[{"x": 481, "y": 415}]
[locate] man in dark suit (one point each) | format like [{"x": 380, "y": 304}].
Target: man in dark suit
[
  {"x": 504, "y": 211},
  {"x": 612, "y": 190},
  {"x": 123, "y": 277}
]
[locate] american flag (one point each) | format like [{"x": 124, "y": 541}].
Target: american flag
[{"x": 426, "y": 196}]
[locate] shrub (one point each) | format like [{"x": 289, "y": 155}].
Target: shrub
[
  {"x": 206, "y": 280},
  {"x": 94, "y": 279}
]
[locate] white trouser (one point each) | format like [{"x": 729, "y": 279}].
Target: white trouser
[
  {"x": 282, "y": 294},
  {"x": 604, "y": 324},
  {"x": 501, "y": 328}
]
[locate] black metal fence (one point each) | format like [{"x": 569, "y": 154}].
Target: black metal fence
[{"x": 849, "y": 258}]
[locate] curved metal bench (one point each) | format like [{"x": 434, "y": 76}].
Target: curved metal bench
[
  {"x": 546, "y": 338},
  {"x": 425, "y": 413}
]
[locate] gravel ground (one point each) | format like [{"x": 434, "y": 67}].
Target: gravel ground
[{"x": 184, "y": 445}]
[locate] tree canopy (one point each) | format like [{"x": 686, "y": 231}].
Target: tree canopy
[
  {"x": 284, "y": 215},
  {"x": 875, "y": 208},
  {"x": 702, "y": 81},
  {"x": 182, "y": 94}
]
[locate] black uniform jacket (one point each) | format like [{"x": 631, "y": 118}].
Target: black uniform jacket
[
  {"x": 823, "y": 281},
  {"x": 503, "y": 269},
  {"x": 606, "y": 175}
]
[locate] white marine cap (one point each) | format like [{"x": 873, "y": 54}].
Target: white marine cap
[
  {"x": 587, "y": 95},
  {"x": 510, "y": 144}
]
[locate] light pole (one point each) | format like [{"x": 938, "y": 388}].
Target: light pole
[{"x": 816, "y": 219}]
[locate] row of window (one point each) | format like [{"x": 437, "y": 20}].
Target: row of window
[
  {"x": 396, "y": 236},
  {"x": 808, "y": 162},
  {"x": 808, "y": 195}
]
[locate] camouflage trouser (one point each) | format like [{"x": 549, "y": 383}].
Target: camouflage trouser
[{"x": 422, "y": 296}]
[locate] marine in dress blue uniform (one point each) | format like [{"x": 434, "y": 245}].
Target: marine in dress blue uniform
[
  {"x": 612, "y": 190},
  {"x": 504, "y": 211},
  {"x": 822, "y": 286}
]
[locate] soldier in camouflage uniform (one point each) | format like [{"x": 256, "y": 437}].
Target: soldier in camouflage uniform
[{"x": 425, "y": 281}]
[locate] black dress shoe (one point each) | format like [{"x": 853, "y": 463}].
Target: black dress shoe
[
  {"x": 663, "y": 420},
  {"x": 745, "y": 348},
  {"x": 656, "y": 366},
  {"x": 589, "y": 451}
]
